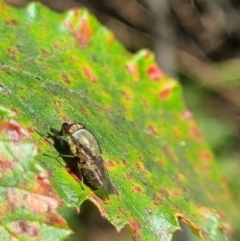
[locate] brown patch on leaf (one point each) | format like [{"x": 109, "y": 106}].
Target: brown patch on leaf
[
  {"x": 89, "y": 74},
  {"x": 154, "y": 72},
  {"x": 15, "y": 111},
  {"x": 137, "y": 189},
  {"x": 158, "y": 199},
  {"x": 57, "y": 46},
  {"x": 6, "y": 70},
  {"x": 44, "y": 53},
  {"x": 65, "y": 78},
  {"x": 145, "y": 104},
  {"x": 170, "y": 153},
  {"x": 160, "y": 162},
  {"x": 24, "y": 227},
  {"x": 84, "y": 111},
  {"x": 128, "y": 176},
  {"x": 205, "y": 156},
  {"x": 57, "y": 103},
  {"x": 181, "y": 178},
  {"x": 11, "y": 51},
  {"x": 126, "y": 95},
  {"x": 11, "y": 22},
  {"x": 165, "y": 192},
  {"x": 141, "y": 168},
  {"x": 30, "y": 129},
  {"x": 152, "y": 130}
]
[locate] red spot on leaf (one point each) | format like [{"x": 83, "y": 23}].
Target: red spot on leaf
[
  {"x": 187, "y": 114},
  {"x": 44, "y": 186},
  {"x": 205, "y": 156},
  {"x": 133, "y": 69},
  {"x": 135, "y": 226},
  {"x": 196, "y": 133},
  {"x": 90, "y": 74},
  {"x": 110, "y": 164},
  {"x": 13, "y": 130},
  {"x": 154, "y": 72},
  {"x": 165, "y": 93},
  {"x": 83, "y": 34},
  {"x": 6, "y": 165}
]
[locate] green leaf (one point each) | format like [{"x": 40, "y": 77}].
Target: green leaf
[{"x": 66, "y": 67}]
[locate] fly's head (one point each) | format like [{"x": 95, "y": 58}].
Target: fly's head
[{"x": 69, "y": 128}]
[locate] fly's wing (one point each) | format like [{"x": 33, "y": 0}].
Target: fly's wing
[
  {"x": 102, "y": 171},
  {"x": 94, "y": 171}
]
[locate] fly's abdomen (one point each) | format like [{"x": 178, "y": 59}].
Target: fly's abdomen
[{"x": 88, "y": 172}]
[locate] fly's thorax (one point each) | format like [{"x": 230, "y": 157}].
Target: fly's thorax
[
  {"x": 70, "y": 127},
  {"x": 71, "y": 144},
  {"x": 86, "y": 139}
]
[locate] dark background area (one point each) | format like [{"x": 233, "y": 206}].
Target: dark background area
[{"x": 195, "y": 41}]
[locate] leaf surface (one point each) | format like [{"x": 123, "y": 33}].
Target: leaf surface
[{"x": 57, "y": 68}]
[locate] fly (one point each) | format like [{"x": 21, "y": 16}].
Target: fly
[{"x": 84, "y": 147}]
